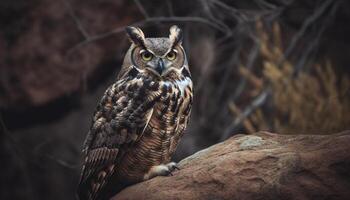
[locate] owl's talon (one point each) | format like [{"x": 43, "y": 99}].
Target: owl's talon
[
  {"x": 161, "y": 170},
  {"x": 172, "y": 166}
]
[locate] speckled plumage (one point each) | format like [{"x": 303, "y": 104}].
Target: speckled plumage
[{"x": 139, "y": 120}]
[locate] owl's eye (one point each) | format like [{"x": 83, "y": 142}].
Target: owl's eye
[
  {"x": 171, "y": 55},
  {"x": 146, "y": 55}
]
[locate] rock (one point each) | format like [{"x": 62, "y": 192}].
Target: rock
[
  {"x": 42, "y": 63},
  {"x": 259, "y": 166},
  {"x": 249, "y": 142}
]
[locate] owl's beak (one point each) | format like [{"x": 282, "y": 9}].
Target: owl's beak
[{"x": 160, "y": 66}]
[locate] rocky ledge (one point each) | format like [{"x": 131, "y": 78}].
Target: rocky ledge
[{"x": 259, "y": 166}]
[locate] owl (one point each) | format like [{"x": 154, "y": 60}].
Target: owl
[{"x": 140, "y": 118}]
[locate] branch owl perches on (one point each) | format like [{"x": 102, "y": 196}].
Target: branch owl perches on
[{"x": 140, "y": 118}]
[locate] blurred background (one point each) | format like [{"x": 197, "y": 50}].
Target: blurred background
[{"x": 280, "y": 66}]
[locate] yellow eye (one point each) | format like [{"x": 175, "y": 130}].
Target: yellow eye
[
  {"x": 171, "y": 55},
  {"x": 146, "y": 55}
]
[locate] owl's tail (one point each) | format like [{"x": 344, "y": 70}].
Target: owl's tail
[{"x": 91, "y": 190}]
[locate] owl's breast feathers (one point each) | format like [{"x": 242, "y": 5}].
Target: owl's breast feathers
[{"x": 136, "y": 116}]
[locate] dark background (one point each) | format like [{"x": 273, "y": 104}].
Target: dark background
[{"x": 58, "y": 57}]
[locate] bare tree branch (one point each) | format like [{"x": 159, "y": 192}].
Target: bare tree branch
[
  {"x": 314, "y": 40},
  {"x": 257, "y": 102},
  {"x": 307, "y": 23},
  {"x": 76, "y": 19},
  {"x": 61, "y": 162},
  {"x": 208, "y": 11},
  {"x": 143, "y": 23},
  {"x": 265, "y": 5},
  {"x": 242, "y": 83},
  {"x": 141, "y": 8},
  {"x": 170, "y": 7},
  {"x": 233, "y": 11}
]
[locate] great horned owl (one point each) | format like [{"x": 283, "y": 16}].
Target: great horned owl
[{"x": 140, "y": 118}]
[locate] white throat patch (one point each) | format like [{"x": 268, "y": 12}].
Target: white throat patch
[{"x": 183, "y": 84}]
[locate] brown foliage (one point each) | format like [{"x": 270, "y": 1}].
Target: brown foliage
[{"x": 314, "y": 101}]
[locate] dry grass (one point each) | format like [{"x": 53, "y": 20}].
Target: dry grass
[{"x": 314, "y": 102}]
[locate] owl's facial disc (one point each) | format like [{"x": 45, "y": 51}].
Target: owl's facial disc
[
  {"x": 158, "y": 64},
  {"x": 159, "y": 56}
]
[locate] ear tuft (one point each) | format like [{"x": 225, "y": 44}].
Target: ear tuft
[
  {"x": 175, "y": 35},
  {"x": 135, "y": 35}
]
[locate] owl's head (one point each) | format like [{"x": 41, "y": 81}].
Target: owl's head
[{"x": 159, "y": 56}]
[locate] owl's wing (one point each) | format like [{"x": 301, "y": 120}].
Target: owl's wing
[
  {"x": 184, "y": 107},
  {"x": 120, "y": 119}
]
